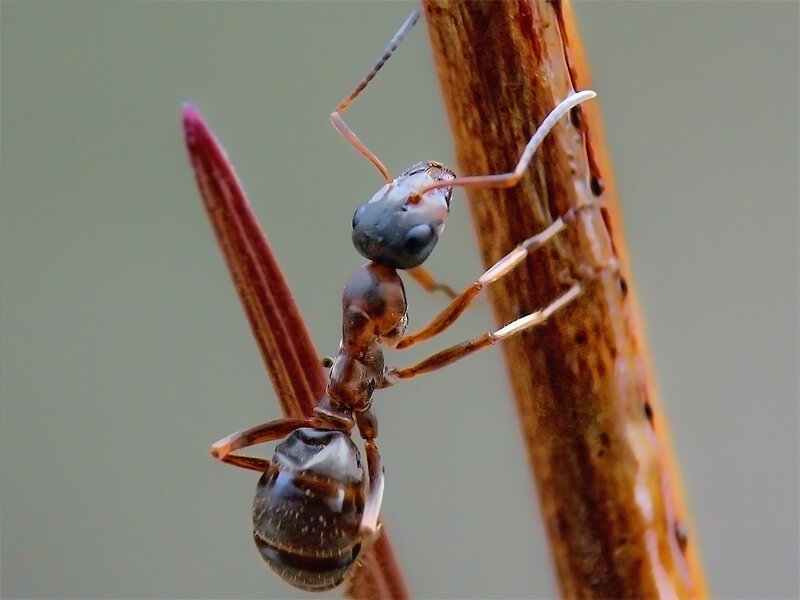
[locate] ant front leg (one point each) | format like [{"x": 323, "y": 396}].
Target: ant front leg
[
  {"x": 513, "y": 258},
  {"x": 512, "y": 178},
  {"x": 265, "y": 432},
  {"x": 336, "y": 116}
]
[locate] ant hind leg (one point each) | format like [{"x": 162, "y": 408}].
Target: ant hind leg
[
  {"x": 370, "y": 528},
  {"x": 224, "y": 448}
]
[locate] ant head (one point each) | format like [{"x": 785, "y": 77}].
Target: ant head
[{"x": 398, "y": 227}]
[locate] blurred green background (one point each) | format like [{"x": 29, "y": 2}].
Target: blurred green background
[{"x": 125, "y": 352}]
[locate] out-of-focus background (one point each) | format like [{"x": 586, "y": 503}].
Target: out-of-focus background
[{"x": 125, "y": 352}]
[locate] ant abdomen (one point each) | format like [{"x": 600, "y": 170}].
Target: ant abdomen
[{"x": 308, "y": 507}]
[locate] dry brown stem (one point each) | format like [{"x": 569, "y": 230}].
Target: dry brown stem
[{"x": 596, "y": 438}]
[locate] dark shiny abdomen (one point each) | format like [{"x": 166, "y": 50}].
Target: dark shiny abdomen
[{"x": 307, "y": 509}]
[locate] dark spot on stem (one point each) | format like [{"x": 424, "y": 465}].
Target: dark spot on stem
[
  {"x": 605, "y": 443},
  {"x": 681, "y": 535},
  {"x": 623, "y": 286},
  {"x": 581, "y": 338},
  {"x": 596, "y": 185},
  {"x": 648, "y": 412},
  {"x": 575, "y": 117}
]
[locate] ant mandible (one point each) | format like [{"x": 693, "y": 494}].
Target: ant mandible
[{"x": 313, "y": 513}]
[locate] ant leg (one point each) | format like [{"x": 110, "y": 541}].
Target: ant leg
[
  {"x": 336, "y": 116},
  {"x": 502, "y": 267},
  {"x": 368, "y": 428},
  {"x": 422, "y": 276},
  {"x": 459, "y": 351},
  {"x": 512, "y": 178},
  {"x": 370, "y": 528},
  {"x": 460, "y": 303},
  {"x": 256, "y": 435}
]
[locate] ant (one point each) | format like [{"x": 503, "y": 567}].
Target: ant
[{"x": 313, "y": 513}]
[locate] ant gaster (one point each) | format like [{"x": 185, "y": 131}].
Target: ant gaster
[{"x": 313, "y": 512}]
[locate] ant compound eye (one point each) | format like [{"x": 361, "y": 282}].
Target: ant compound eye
[
  {"x": 419, "y": 238},
  {"x": 358, "y": 214},
  {"x": 371, "y": 387}
]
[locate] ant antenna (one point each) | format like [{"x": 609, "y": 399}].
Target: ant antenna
[
  {"x": 336, "y": 116},
  {"x": 393, "y": 44}
]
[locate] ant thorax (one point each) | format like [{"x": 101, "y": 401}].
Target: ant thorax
[
  {"x": 374, "y": 312},
  {"x": 374, "y": 308}
]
